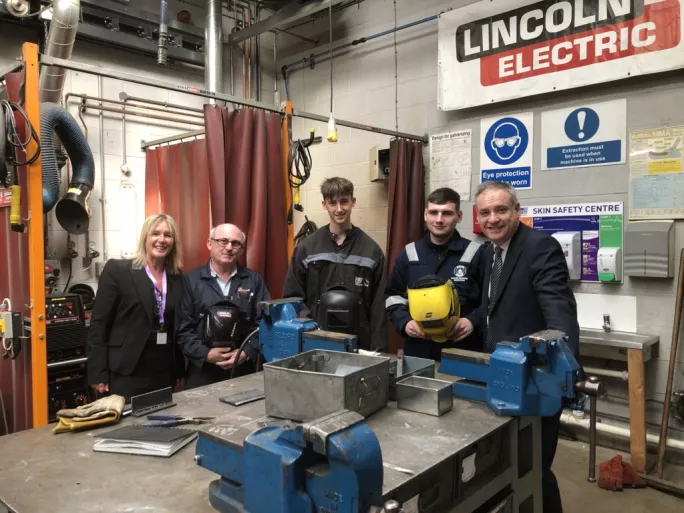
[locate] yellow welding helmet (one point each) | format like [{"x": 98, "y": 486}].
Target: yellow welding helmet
[{"x": 433, "y": 304}]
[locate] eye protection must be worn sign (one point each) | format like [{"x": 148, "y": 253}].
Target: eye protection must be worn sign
[
  {"x": 584, "y": 136},
  {"x": 491, "y": 51},
  {"x": 506, "y": 150}
]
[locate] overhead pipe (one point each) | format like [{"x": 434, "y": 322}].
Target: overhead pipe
[
  {"x": 142, "y": 114},
  {"x": 127, "y": 105},
  {"x": 312, "y": 59},
  {"x": 125, "y": 97},
  {"x": 213, "y": 52},
  {"x": 163, "y": 41},
  {"x": 60, "y": 43}
]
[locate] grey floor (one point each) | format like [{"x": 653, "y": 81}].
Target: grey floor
[{"x": 570, "y": 467}]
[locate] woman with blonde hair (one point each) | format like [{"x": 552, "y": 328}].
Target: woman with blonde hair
[{"x": 132, "y": 336}]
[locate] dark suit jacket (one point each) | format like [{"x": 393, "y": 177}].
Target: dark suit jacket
[
  {"x": 122, "y": 319},
  {"x": 533, "y": 291}
]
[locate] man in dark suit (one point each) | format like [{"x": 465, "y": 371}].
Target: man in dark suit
[{"x": 525, "y": 290}]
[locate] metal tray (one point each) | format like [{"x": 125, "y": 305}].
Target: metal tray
[
  {"x": 316, "y": 383},
  {"x": 425, "y": 395},
  {"x": 411, "y": 366}
]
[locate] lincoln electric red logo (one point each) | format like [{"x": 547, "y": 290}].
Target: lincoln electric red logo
[{"x": 547, "y": 37}]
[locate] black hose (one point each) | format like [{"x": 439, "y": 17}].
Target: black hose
[
  {"x": 239, "y": 353},
  {"x": 72, "y": 211}
]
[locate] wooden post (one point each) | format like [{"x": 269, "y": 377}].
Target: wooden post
[
  {"x": 39, "y": 386},
  {"x": 285, "y": 131},
  {"x": 637, "y": 409}
]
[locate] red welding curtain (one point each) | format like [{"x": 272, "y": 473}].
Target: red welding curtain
[
  {"x": 177, "y": 183},
  {"x": 248, "y": 186},
  {"x": 406, "y": 204}
]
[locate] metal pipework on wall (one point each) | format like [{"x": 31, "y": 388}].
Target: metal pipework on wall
[
  {"x": 163, "y": 41},
  {"x": 125, "y": 97},
  {"x": 213, "y": 55},
  {"x": 311, "y": 60},
  {"x": 174, "y": 86},
  {"x": 60, "y": 42},
  {"x": 128, "y": 106},
  {"x": 141, "y": 114}
]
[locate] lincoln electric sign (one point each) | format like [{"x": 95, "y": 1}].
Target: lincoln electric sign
[{"x": 495, "y": 50}]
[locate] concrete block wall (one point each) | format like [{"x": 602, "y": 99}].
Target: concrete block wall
[{"x": 365, "y": 91}]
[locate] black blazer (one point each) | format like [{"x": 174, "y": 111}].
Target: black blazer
[
  {"x": 122, "y": 319},
  {"x": 533, "y": 292}
]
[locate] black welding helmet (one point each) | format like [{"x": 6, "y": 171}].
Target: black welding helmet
[
  {"x": 224, "y": 325},
  {"x": 338, "y": 310}
]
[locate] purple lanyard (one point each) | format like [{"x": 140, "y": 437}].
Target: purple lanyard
[{"x": 160, "y": 296}]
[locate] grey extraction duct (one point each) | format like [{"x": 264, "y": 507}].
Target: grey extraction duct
[
  {"x": 60, "y": 43},
  {"x": 213, "y": 52}
]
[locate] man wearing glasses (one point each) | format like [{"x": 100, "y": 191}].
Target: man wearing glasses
[{"x": 219, "y": 280}]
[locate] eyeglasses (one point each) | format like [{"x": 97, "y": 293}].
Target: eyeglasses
[{"x": 235, "y": 244}]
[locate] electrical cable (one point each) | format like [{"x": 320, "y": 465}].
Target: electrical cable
[
  {"x": 331, "y": 57},
  {"x": 239, "y": 353},
  {"x": 12, "y": 132},
  {"x": 299, "y": 163},
  {"x": 71, "y": 267},
  {"x": 307, "y": 229}
]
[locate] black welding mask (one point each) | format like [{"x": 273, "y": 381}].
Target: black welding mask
[
  {"x": 338, "y": 311},
  {"x": 225, "y": 325}
]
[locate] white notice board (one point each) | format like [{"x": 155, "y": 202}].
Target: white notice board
[{"x": 451, "y": 162}]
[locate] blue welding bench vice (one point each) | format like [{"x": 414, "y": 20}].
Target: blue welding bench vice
[
  {"x": 284, "y": 333},
  {"x": 530, "y": 377},
  {"x": 309, "y": 467}
]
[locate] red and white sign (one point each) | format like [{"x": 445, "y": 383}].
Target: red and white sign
[{"x": 492, "y": 51}]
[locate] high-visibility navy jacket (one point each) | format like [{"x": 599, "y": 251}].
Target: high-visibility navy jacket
[{"x": 460, "y": 260}]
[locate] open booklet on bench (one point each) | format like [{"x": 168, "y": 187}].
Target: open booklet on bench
[{"x": 144, "y": 440}]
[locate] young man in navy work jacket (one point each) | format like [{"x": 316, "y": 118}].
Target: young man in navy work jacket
[{"x": 442, "y": 252}]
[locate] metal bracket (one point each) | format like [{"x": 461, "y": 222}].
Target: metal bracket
[{"x": 312, "y": 61}]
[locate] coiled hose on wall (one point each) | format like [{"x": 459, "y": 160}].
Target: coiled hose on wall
[{"x": 72, "y": 211}]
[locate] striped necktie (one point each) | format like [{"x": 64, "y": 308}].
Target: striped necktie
[{"x": 490, "y": 345}]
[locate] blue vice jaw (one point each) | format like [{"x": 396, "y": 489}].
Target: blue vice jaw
[
  {"x": 284, "y": 333},
  {"x": 531, "y": 377}
]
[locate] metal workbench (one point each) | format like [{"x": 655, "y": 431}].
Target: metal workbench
[{"x": 42, "y": 472}]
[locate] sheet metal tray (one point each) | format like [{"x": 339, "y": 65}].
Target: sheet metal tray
[
  {"x": 317, "y": 383},
  {"x": 425, "y": 395},
  {"x": 411, "y": 366}
]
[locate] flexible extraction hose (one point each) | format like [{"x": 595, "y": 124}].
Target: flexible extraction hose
[{"x": 72, "y": 211}]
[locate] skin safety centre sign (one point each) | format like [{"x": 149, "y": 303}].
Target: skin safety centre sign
[{"x": 494, "y": 51}]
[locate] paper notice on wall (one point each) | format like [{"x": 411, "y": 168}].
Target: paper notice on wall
[
  {"x": 656, "y": 174},
  {"x": 450, "y": 161}
]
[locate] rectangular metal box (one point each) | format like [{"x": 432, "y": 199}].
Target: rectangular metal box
[
  {"x": 411, "y": 366},
  {"x": 649, "y": 249},
  {"x": 317, "y": 383},
  {"x": 425, "y": 395}
]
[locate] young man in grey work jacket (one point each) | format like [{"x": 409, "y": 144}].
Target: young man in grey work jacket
[{"x": 442, "y": 252}]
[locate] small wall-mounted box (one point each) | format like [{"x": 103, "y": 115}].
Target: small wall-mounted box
[
  {"x": 571, "y": 242},
  {"x": 379, "y": 163},
  {"x": 649, "y": 249}
]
